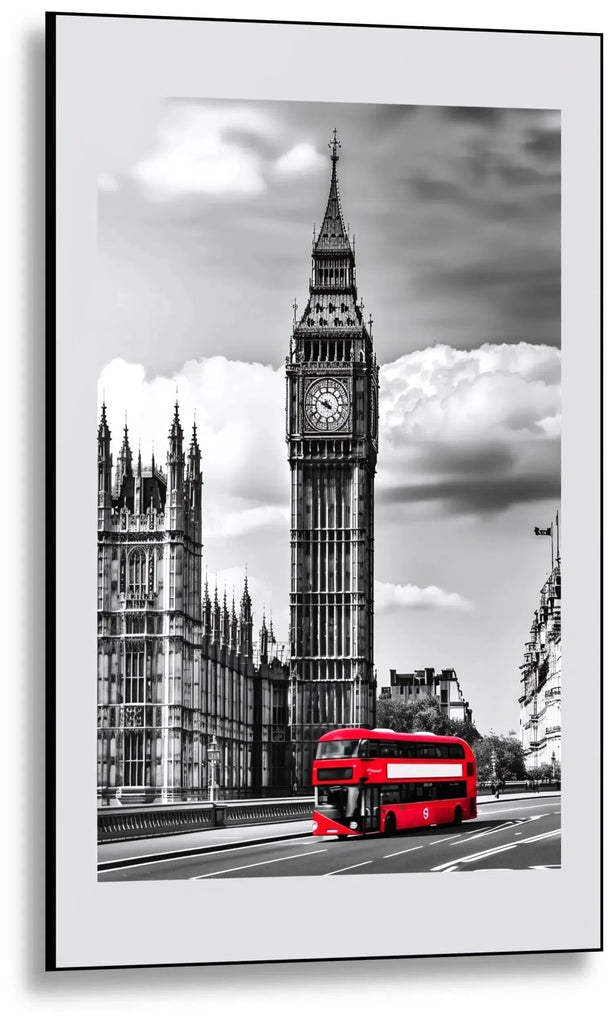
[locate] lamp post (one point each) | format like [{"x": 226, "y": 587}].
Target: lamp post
[
  {"x": 214, "y": 756},
  {"x": 554, "y": 766}
]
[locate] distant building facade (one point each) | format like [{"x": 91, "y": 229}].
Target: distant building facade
[
  {"x": 425, "y": 682},
  {"x": 177, "y": 669},
  {"x": 541, "y": 679}
]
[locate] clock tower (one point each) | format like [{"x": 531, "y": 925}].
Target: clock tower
[{"x": 332, "y": 437}]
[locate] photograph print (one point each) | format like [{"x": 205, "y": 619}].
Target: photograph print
[
  {"x": 329, "y": 437},
  {"x": 335, "y": 337}
]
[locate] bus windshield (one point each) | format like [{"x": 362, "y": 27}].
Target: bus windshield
[
  {"x": 343, "y": 799},
  {"x": 329, "y": 749}
]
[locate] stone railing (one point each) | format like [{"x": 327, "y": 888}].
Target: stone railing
[
  {"x": 148, "y": 820},
  {"x": 145, "y": 821}
]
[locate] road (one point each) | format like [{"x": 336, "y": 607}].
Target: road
[{"x": 520, "y": 834}]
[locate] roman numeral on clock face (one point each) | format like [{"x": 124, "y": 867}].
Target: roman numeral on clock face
[{"x": 326, "y": 405}]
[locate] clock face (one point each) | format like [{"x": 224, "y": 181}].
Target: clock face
[{"x": 327, "y": 405}]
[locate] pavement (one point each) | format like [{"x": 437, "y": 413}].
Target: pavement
[{"x": 131, "y": 851}]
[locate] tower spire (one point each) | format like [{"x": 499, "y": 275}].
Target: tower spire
[
  {"x": 194, "y": 472},
  {"x": 245, "y": 624},
  {"x": 104, "y": 470},
  {"x": 176, "y": 466},
  {"x": 333, "y": 237},
  {"x": 124, "y": 473}
]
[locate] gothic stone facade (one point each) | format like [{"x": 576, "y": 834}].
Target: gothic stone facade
[
  {"x": 176, "y": 671},
  {"x": 332, "y": 437},
  {"x": 541, "y": 679}
]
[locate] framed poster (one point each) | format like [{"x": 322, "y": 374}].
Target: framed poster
[{"x": 226, "y": 390}]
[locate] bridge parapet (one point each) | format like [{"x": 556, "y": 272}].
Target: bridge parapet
[{"x": 145, "y": 821}]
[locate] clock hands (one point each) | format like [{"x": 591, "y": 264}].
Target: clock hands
[{"x": 326, "y": 404}]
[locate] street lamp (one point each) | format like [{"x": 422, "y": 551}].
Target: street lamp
[
  {"x": 493, "y": 782},
  {"x": 214, "y": 756},
  {"x": 553, "y": 766}
]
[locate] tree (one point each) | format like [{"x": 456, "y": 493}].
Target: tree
[
  {"x": 422, "y": 715},
  {"x": 501, "y": 757},
  {"x": 466, "y": 731}
]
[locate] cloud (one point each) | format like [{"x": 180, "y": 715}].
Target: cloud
[
  {"x": 217, "y": 149},
  {"x": 220, "y": 149},
  {"x": 235, "y": 524},
  {"x": 470, "y": 430},
  {"x": 463, "y": 431},
  {"x": 301, "y": 159},
  {"x": 391, "y": 596},
  {"x": 544, "y": 142},
  {"x": 238, "y": 409}
]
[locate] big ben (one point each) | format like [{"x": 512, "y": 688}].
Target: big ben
[{"x": 332, "y": 437}]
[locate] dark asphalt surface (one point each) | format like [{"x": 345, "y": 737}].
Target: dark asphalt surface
[{"x": 521, "y": 831}]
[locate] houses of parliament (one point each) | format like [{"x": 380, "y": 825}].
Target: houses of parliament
[{"x": 180, "y": 670}]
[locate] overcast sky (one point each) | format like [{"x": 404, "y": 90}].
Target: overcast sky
[{"x": 206, "y": 214}]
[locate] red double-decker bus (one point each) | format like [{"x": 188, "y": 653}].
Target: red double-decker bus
[{"x": 378, "y": 780}]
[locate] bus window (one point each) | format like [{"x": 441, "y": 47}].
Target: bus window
[
  {"x": 336, "y": 748},
  {"x": 390, "y": 795}
]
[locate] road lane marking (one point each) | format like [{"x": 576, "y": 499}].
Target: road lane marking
[
  {"x": 487, "y": 832},
  {"x": 494, "y": 808},
  {"x": 544, "y": 835},
  {"x": 487, "y": 853},
  {"x": 494, "y": 850},
  {"x": 397, "y": 854},
  {"x": 165, "y": 858},
  {"x": 261, "y": 863},
  {"x": 349, "y": 868}
]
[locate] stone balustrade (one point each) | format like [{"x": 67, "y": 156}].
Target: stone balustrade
[{"x": 144, "y": 821}]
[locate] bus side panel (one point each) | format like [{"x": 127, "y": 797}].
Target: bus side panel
[{"x": 436, "y": 812}]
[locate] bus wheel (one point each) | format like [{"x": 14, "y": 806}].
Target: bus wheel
[
  {"x": 458, "y": 816},
  {"x": 390, "y": 825}
]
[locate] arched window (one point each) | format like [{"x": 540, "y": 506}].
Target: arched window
[
  {"x": 137, "y": 571},
  {"x": 135, "y": 672},
  {"x": 133, "y": 761}
]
